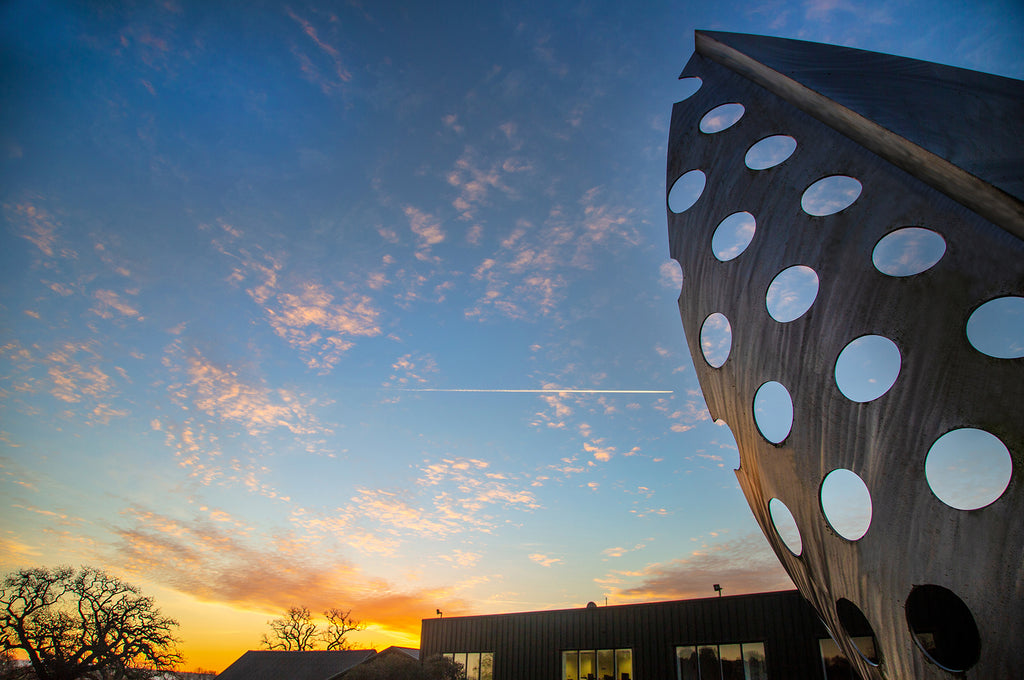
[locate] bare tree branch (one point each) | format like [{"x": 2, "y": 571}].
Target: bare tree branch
[
  {"x": 82, "y": 624},
  {"x": 339, "y": 625},
  {"x": 295, "y": 631}
]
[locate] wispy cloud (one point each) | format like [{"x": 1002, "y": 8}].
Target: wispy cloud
[
  {"x": 73, "y": 373},
  {"x": 544, "y": 560},
  {"x": 449, "y": 497},
  {"x": 397, "y": 512},
  {"x": 467, "y": 486},
  {"x": 527, "y": 276},
  {"x": 340, "y": 525},
  {"x": 685, "y": 417},
  {"x": 619, "y": 551},
  {"x": 211, "y": 560},
  {"x": 336, "y": 74},
  {"x": 222, "y": 393},
  {"x": 462, "y": 558},
  {"x": 72, "y": 379},
  {"x": 745, "y": 565},
  {"x": 39, "y": 227},
  {"x": 428, "y": 231},
  {"x": 475, "y": 182},
  {"x": 602, "y": 225},
  {"x": 58, "y": 516},
  {"x": 16, "y": 553},
  {"x": 301, "y": 316},
  {"x": 600, "y": 453},
  {"x": 670, "y": 275},
  {"x": 545, "y": 53},
  {"x": 817, "y": 11},
  {"x": 412, "y": 368},
  {"x": 321, "y": 322},
  {"x": 108, "y": 303}
]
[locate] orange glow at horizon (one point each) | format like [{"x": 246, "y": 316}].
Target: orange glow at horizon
[{"x": 213, "y": 635}]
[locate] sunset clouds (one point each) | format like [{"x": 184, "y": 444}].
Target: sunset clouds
[
  {"x": 219, "y": 392},
  {"x": 209, "y": 557},
  {"x": 363, "y": 306},
  {"x": 318, "y": 321},
  {"x": 745, "y": 565}
]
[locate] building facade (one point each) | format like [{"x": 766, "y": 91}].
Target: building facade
[{"x": 750, "y": 637}]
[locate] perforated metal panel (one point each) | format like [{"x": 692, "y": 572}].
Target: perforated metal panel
[{"x": 914, "y": 539}]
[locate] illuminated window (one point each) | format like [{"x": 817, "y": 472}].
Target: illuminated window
[
  {"x": 597, "y": 664},
  {"x": 721, "y": 662},
  {"x": 475, "y": 665}
]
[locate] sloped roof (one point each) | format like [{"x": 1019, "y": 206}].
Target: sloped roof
[
  {"x": 276, "y": 665},
  {"x": 407, "y": 651},
  {"x": 949, "y": 126}
]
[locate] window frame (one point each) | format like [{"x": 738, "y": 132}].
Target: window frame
[
  {"x": 481, "y": 667},
  {"x": 615, "y": 654},
  {"x": 698, "y": 652}
]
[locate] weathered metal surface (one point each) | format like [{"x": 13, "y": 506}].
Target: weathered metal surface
[
  {"x": 943, "y": 383},
  {"x": 960, "y": 131}
]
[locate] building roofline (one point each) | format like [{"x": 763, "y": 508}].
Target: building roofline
[
  {"x": 986, "y": 200},
  {"x": 659, "y": 603}
]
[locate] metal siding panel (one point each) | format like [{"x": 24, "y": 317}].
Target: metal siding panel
[{"x": 527, "y": 646}]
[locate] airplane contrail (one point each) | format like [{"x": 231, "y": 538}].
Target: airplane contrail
[{"x": 544, "y": 391}]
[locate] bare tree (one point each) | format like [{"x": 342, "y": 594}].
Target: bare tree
[
  {"x": 339, "y": 625},
  {"x": 293, "y": 632},
  {"x": 83, "y": 624},
  {"x": 296, "y": 631}
]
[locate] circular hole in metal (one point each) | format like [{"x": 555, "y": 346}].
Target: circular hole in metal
[
  {"x": 791, "y": 293},
  {"x": 867, "y": 368},
  {"x": 686, "y": 190},
  {"x": 773, "y": 411},
  {"x": 858, "y": 629},
  {"x": 908, "y": 251},
  {"x": 785, "y": 526},
  {"x": 968, "y": 468},
  {"x": 829, "y": 195},
  {"x": 721, "y": 117},
  {"x": 943, "y": 627},
  {"x": 688, "y": 87},
  {"x": 996, "y": 328},
  {"x": 846, "y": 504},
  {"x": 716, "y": 339},
  {"x": 769, "y": 152},
  {"x": 733, "y": 235}
]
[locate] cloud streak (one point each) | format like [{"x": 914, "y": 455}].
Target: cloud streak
[
  {"x": 338, "y": 73},
  {"x": 214, "y": 561},
  {"x": 320, "y": 322},
  {"x": 745, "y": 565}
]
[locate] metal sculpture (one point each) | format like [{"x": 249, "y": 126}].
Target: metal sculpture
[{"x": 928, "y": 590}]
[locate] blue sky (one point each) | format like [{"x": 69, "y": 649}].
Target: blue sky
[{"x": 253, "y": 253}]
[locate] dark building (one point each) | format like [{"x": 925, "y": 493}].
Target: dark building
[
  {"x": 749, "y": 637},
  {"x": 308, "y": 665}
]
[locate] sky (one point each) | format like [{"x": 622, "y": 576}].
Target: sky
[{"x": 369, "y": 305}]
